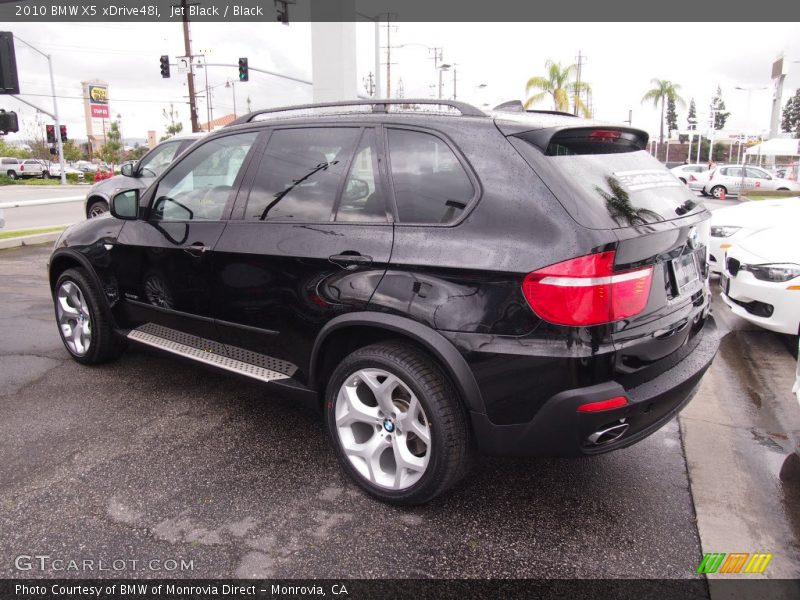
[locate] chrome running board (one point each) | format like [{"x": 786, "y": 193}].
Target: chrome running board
[{"x": 237, "y": 360}]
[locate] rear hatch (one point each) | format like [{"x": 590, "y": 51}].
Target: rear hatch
[{"x": 606, "y": 181}]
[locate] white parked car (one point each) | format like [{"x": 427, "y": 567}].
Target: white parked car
[
  {"x": 55, "y": 170},
  {"x": 695, "y": 176},
  {"x": 761, "y": 280},
  {"x": 33, "y": 167},
  {"x": 733, "y": 223},
  {"x": 731, "y": 178}
]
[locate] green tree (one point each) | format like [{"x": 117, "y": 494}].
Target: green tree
[
  {"x": 661, "y": 91},
  {"x": 174, "y": 127},
  {"x": 12, "y": 150},
  {"x": 790, "y": 121},
  {"x": 110, "y": 152},
  {"x": 691, "y": 118},
  {"x": 71, "y": 151},
  {"x": 718, "y": 106},
  {"x": 672, "y": 117},
  {"x": 558, "y": 85}
]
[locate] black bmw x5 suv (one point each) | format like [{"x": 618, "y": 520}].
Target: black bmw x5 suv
[{"x": 439, "y": 281}]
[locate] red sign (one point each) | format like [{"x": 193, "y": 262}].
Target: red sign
[{"x": 100, "y": 111}]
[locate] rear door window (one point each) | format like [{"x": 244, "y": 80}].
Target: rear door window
[
  {"x": 363, "y": 196},
  {"x": 604, "y": 178},
  {"x": 430, "y": 184}
]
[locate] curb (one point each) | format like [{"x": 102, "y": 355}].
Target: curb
[{"x": 30, "y": 240}]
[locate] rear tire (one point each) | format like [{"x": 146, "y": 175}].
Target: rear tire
[
  {"x": 96, "y": 208},
  {"x": 396, "y": 424},
  {"x": 12, "y": 174},
  {"x": 85, "y": 329},
  {"x": 717, "y": 190}
]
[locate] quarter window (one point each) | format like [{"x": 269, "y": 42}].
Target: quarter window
[
  {"x": 430, "y": 185},
  {"x": 299, "y": 176},
  {"x": 362, "y": 195},
  {"x": 199, "y": 185}
]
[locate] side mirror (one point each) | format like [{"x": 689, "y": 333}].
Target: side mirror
[
  {"x": 125, "y": 205},
  {"x": 127, "y": 170}
]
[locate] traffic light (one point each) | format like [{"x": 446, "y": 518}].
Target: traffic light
[
  {"x": 282, "y": 8},
  {"x": 244, "y": 71},
  {"x": 9, "y": 80},
  {"x": 164, "y": 66},
  {"x": 51, "y": 133},
  {"x": 8, "y": 122}
]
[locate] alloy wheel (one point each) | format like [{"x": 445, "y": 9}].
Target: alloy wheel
[
  {"x": 74, "y": 318},
  {"x": 383, "y": 429}
]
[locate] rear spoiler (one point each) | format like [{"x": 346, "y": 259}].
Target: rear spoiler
[{"x": 548, "y": 140}]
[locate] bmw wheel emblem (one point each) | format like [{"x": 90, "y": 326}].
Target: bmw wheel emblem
[{"x": 388, "y": 425}]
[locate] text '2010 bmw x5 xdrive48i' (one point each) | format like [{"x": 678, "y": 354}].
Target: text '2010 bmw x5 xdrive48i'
[{"x": 440, "y": 281}]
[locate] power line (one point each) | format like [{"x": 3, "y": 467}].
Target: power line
[{"x": 113, "y": 100}]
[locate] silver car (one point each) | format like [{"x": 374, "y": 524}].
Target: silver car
[
  {"x": 731, "y": 179},
  {"x": 137, "y": 175}
]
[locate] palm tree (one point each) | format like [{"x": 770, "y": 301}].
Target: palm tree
[
  {"x": 662, "y": 91},
  {"x": 557, "y": 85}
]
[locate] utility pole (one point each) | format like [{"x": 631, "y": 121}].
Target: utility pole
[
  {"x": 581, "y": 60},
  {"x": 455, "y": 78},
  {"x": 388, "y": 55},
  {"x": 187, "y": 43}
]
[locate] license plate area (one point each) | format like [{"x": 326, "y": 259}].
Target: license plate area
[{"x": 684, "y": 274}]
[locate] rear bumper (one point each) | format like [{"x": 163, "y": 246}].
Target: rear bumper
[{"x": 558, "y": 429}]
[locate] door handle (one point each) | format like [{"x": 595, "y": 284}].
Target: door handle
[
  {"x": 198, "y": 249},
  {"x": 350, "y": 260}
]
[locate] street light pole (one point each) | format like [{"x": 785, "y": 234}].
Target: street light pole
[
  {"x": 54, "y": 114},
  {"x": 443, "y": 67}
]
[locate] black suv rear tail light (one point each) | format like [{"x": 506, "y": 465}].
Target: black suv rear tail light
[{"x": 585, "y": 291}]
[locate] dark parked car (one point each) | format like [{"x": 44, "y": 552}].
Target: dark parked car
[
  {"x": 437, "y": 282},
  {"x": 136, "y": 174}
]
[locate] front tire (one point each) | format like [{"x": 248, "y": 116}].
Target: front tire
[
  {"x": 396, "y": 424},
  {"x": 86, "y": 331},
  {"x": 45, "y": 174},
  {"x": 96, "y": 208},
  {"x": 717, "y": 190}
]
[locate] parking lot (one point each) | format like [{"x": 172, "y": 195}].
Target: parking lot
[{"x": 151, "y": 460}]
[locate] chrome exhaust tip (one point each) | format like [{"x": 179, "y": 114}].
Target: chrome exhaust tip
[{"x": 608, "y": 434}]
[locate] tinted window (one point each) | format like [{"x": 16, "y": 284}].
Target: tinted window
[
  {"x": 300, "y": 173},
  {"x": 10, "y": 161},
  {"x": 430, "y": 185},
  {"x": 158, "y": 160},
  {"x": 363, "y": 198},
  {"x": 732, "y": 172},
  {"x": 199, "y": 185}
]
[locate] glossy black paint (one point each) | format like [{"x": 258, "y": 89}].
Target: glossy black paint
[{"x": 283, "y": 288}]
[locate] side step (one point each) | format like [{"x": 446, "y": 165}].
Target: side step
[{"x": 251, "y": 364}]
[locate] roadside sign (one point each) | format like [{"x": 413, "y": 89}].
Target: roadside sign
[{"x": 184, "y": 63}]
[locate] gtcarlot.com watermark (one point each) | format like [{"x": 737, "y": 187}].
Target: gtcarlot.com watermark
[{"x": 44, "y": 563}]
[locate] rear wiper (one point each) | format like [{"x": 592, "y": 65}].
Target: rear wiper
[{"x": 686, "y": 207}]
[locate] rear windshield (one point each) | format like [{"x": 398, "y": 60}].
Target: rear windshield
[{"x": 610, "y": 188}]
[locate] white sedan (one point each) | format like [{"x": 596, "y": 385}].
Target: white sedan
[
  {"x": 733, "y": 223},
  {"x": 761, "y": 279},
  {"x": 729, "y": 179}
]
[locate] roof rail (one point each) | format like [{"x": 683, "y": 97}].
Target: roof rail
[{"x": 378, "y": 106}]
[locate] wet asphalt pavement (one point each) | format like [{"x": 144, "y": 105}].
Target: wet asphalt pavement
[{"x": 151, "y": 458}]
